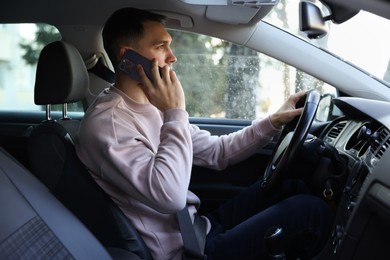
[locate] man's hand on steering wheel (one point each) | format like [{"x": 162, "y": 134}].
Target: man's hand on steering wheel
[
  {"x": 286, "y": 151},
  {"x": 288, "y": 111}
]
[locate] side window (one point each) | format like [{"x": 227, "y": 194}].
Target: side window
[
  {"x": 20, "y": 47},
  {"x": 225, "y": 80}
]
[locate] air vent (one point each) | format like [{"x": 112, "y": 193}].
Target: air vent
[
  {"x": 358, "y": 142},
  {"x": 336, "y": 130},
  {"x": 381, "y": 143}
]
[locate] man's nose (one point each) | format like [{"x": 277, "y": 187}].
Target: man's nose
[{"x": 171, "y": 58}]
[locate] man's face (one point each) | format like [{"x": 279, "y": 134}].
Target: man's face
[{"x": 155, "y": 43}]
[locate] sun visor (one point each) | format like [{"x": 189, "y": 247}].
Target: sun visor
[{"x": 235, "y": 11}]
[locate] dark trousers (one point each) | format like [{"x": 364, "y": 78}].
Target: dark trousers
[{"x": 239, "y": 225}]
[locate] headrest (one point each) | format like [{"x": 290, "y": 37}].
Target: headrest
[{"x": 61, "y": 75}]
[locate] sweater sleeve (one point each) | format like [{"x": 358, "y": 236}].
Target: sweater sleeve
[
  {"x": 219, "y": 152},
  {"x": 159, "y": 175}
]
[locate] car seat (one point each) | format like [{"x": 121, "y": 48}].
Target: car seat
[
  {"x": 62, "y": 78},
  {"x": 35, "y": 225}
]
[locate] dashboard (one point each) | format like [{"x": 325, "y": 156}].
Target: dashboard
[
  {"x": 361, "y": 138},
  {"x": 363, "y": 134}
]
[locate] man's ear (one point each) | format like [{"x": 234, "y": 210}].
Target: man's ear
[{"x": 122, "y": 51}]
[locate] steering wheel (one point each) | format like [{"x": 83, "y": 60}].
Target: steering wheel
[{"x": 288, "y": 147}]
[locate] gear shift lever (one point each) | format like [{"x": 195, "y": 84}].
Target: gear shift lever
[{"x": 274, "y": 242}]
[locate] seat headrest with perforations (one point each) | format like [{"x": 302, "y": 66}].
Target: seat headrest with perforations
[{"x": 61, "y": 76}]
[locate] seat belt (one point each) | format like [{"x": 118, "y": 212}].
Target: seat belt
[
  {"x": 193, "y": 235},
  {"x": 103, "y": 72}
]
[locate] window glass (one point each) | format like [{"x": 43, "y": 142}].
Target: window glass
[
  {"x": 20, "y": 47},
  {"x": 360, "y": 40},
  {"x": 225, "y": 80}
]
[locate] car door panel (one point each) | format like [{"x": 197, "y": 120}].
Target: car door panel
[
  {"x": 14, "y": 131},
  {"x": 15, "y": 127}
]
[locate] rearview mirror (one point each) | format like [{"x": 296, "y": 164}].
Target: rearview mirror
[{"x": 311, "y": 20}]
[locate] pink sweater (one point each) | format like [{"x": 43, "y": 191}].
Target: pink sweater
[{"x": 143, "y": 159}]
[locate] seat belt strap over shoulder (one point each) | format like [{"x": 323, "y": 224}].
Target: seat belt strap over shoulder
[
  {"x": 194, "y": 235},
  {"x": 96, "y": 66}
]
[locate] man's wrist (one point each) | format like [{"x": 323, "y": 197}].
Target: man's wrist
[{"x": 276, "y": 123}]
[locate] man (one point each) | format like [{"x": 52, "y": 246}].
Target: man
[{"x": 137, "y": 143}]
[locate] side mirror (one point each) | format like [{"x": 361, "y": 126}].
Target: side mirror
[
  {"x": 326, "y": 110},
  {"x": 311, "y": 20}
]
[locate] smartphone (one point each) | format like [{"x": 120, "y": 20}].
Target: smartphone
[{"x": 130, "y": 60}]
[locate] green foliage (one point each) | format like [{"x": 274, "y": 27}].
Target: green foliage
[
  {"x": 44, "y": 35},
  {"x": 216, "y": 76},
  {"x": 243, "y": 70},
  {"x": 204, "y": 87}
]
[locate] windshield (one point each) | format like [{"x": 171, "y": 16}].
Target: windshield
[{"x": 362, "y": 40}]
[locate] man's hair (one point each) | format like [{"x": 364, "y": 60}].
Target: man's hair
[{"x": 125, "y": 27}]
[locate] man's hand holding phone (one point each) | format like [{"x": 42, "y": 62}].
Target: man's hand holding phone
[{"x": 165, "y": 91}]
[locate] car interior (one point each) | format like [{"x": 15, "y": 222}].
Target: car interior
[{"x": 51, "y": 206}]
